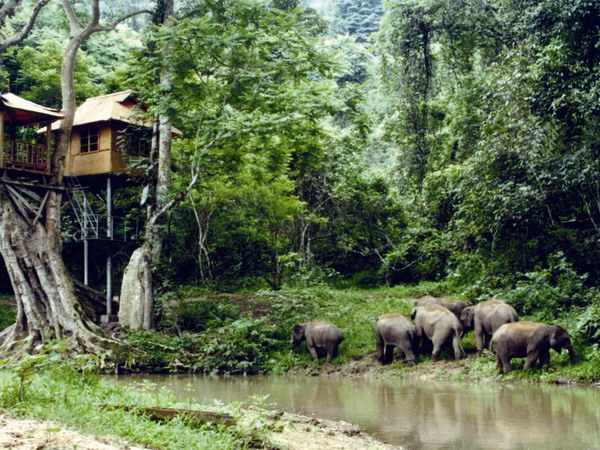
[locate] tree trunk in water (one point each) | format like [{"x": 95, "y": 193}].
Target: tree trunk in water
[{"x": 47, "y": 306}]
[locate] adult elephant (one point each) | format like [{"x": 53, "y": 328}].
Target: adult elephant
[
  {"x": 454, "y": 306},
  {"x": 321, "y": 338},
  {"x": 439, "y": 325},
  {"x": 531, "y": 340},
  {"x": 485, "y": 318},
  {"x": 394, "y": 330}
]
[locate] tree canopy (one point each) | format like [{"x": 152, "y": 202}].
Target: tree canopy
[{"x": 366, "y": 143}]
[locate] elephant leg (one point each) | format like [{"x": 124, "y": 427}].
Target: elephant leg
[
  {"x": 389, "y": 354},
  {"x": 531, "y": 359},
  {"x": 502, "y": 359},
  {"x": 313, "y": 352},
  {"x": 409, "y": 356},
  {"x": 437, "y": 341},
  {"x": 506, "y": 365},
  {"x": 456, "y": 345},
  {"x": 498, "y": 362},
  {"x": 479, "y": 339},
  {"x": 379, "y": 345},
  {"x": 487, "y": 338},
  {"x": 331, "y": 352},
  {"x": 544, "y": 357}
]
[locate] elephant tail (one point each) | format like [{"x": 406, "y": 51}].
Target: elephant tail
[{"x": 462, "y": 350}]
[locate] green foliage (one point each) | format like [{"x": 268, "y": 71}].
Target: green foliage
[
  {"x": 84, "y": 402},
  {"x": 588, "y": 321},
  {"x": 225, "y": 342},
  {"x": 200, "y": 315},
  {"x": 258, "y": 342},
  {"x": 549, "y": 292},
  {"x": 357, "y": 18},
  {"x": 8, "y": 314},
  {"x": 25, "y": 369}
]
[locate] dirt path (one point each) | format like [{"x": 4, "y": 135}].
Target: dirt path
[
  {"x": 29, "y": 434},
  {"x": 297, "y": 432}
]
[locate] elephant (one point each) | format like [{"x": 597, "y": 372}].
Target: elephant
[
  {"x": 321, "y": 337},
  {"x": 394, "y": 330},
  {"x": 485, "y": 318},
  {"x": 439, "y": 325},
  {"x": 456, "y": 307},
  {"x": 531, "y": 340}
]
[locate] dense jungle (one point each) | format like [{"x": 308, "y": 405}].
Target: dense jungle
[{"x": 334, "y": 160}]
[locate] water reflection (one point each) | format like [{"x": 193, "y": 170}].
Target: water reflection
[{"x": 420, "y": 414}]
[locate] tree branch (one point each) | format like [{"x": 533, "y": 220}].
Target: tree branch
[
  {"x": 114, "y": 24},
  {"x": 8, "y": 10},
  {"x": 181, "y": 195},
  {"x": 73, "y": 21}
]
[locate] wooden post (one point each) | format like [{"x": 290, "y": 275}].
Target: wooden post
[
  {"x": 1, "y": 138},
  {"x": 48, "y": 147},
  {"x": 109, "y": 234}
]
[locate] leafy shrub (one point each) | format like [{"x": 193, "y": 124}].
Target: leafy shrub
[
  {"x": 588, "y": 321},
  {"x": 241, "y": 346},
  {"x": 8, "y": 314},
  {"x": 551, "y": 291},
  {"x": 203, "y": 314}
]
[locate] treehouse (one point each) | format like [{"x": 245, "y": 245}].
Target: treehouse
[
  {"x": 107, "y": 133},
  {"x": 22, "y": 149}
]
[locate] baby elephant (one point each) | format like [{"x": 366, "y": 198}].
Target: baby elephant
[
  {"x": 394, "y": 330},
  {"x": 321, "y": 337},
  {"x": 439, "y": 325},
  {"x": 485, "y": 318},
  {"x": 531, "y": 340}
]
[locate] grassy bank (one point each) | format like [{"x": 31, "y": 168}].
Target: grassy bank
[
  {"x": 82, "y": 401},
  {"x": 203, "y": 331}
]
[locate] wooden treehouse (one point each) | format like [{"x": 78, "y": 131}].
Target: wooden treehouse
[
  {"x": 22, "y": 149},
  {"x": 107, "y": 134}
]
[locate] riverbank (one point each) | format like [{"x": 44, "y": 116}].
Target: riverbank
[
  {"x": 295, "y": 432},
  {"x": 249, "y": 333},
  {"x": 59, "y": 407}
]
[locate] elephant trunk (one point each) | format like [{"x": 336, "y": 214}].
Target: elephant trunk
[{"x": 571, "y": 352}]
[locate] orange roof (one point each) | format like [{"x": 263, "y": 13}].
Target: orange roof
[
  {"x": 108, "y": 107},
  {"x": 19, "y": 111},
  {"x": 104, "y": 108}
]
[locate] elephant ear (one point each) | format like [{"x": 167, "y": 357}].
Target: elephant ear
[
  {"x": 413, "y": 314},
  {"x": 543, "y": 336}
]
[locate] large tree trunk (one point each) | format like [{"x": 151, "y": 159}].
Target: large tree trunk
[
  {"x": 47, "y": 307},
  {"x": 138, "y": 298},
  {"x": 47, "y": 304}
]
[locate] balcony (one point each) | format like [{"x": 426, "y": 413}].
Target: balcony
[{"x": 25, "y": 156}]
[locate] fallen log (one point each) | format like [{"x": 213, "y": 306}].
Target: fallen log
[{"x": 171, "y": 413}]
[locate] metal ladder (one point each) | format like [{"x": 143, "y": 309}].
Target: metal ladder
[{"x": 88, "y": 220}]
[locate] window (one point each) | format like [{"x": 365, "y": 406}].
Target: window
[
  {"x": 89, "y": 140},
  {"x": 135, "y": 140}
]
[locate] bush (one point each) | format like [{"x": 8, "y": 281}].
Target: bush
[
  {"x": 8, "y": 314},
  {"x": 202, "y": 314},
  {"x": 588, "y": 321},
  {"x": 549, "y": 292}
]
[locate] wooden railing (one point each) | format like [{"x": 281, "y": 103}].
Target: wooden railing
[{"x": 27, "y": 156}]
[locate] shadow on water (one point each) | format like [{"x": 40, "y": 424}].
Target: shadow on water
[{"x": 418, "y": 414}]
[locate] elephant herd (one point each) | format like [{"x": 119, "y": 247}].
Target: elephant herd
[{"x": 435, "y": 322}]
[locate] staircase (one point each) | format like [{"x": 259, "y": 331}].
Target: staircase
[{"x": 88, "y": 220}]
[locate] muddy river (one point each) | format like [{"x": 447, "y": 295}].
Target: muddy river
[{"x": 417, "y": 414}]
